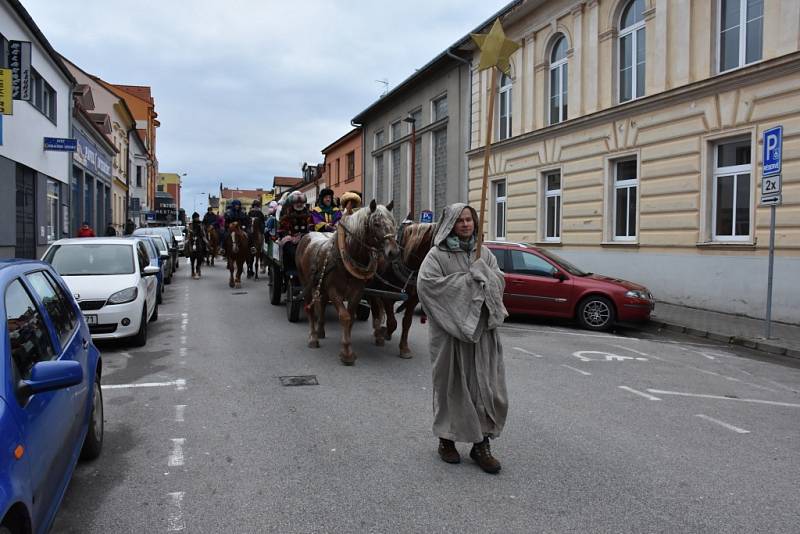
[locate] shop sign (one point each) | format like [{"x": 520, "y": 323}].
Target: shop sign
[
  {"x": 19, "y": 59},
  {"x": 6, "y": 93},
  {"x": 87, "y": 155},
  {"x": 60, "y": 144}
]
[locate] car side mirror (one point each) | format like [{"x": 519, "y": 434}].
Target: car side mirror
[
  {"x": 150, "y": 270},
  {"x": 51, "y": 376},
  {"x": 164, "y": 255},
  {"x": 558, "y": 275}
]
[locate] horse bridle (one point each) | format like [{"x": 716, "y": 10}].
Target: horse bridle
[{"x": 353, "y": 267}]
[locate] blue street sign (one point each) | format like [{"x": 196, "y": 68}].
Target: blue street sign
[
  {"x": 60, "y": 144},
  {"x": 773, "y": 141},
  {"x": 426, "y": 216}
]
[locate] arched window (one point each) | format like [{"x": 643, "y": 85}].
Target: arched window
[
  {"x": 504, "y": 108},
  {"x": 631, "y": 51},
  {"x": 558, "y": 81}
]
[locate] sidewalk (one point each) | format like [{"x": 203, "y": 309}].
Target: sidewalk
[{"x": 727, "y": 328}]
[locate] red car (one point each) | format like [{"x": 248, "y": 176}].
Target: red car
[{"x": 540, "y": 283}]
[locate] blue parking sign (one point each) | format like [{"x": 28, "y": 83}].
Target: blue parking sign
[{"x": 773, "y": 141}]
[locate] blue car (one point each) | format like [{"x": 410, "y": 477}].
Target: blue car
[
  {"x": 155, "y": 260},
  {"x": 51, "y": 405}
]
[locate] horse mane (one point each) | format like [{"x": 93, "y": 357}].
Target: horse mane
[
  {"x": 414, "y": 237},
  {"x": 356, "y": 223}
]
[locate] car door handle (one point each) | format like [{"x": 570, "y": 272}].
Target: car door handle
[{"x": 85, "y": 344}]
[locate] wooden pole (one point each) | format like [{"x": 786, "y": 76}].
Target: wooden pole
[{"x": 486, "y": 153}]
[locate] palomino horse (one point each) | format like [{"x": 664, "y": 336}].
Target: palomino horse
[
  {"x": 258, "y": 260},
  {"x": 195, "y": 250},
  {"x": 213, "y": 244},
  {"x": 236, "y": 252},
  {"x": 415, "y": 240},
  {"x": 336, "y": 267}
]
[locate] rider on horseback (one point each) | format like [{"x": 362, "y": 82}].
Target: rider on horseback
[
  {"x": 325, "y": 215},
  {"x": 295, "y": 223},
  {"x": 235, "y": 214},
  {"x": 256, "y": 213}
]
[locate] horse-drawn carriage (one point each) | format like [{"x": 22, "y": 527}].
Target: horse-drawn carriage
[{"x": 284, "y": 278}]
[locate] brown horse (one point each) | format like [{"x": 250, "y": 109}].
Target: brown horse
[
  {"x": 415, "y": 240},
  {"x": 336, "y": 267},
  {"x": 258, "y": 258},
  {"x": 213, "y": 244},
  {"x": 237, "y": 252},
  {"x": 195, "y": 250}
]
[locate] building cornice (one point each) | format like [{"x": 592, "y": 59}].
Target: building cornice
[{"x": 766, "y": 70}]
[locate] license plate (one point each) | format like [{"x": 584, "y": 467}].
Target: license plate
[{"x": 91, "y": 319}]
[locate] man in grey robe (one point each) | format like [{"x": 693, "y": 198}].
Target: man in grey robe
[{"x": 463, "y": 298}]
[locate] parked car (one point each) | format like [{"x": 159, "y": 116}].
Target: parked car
[
  {"x": 51, "y": 405},
  {"x": 155, "y": 259},
  {"x": 164, "y": 255},
  {"x": 113, "y": 282},
  {"x": 180, "y": 237},
  {"x": 539, "y": 282},
  {"x": 166, "y": 233}
]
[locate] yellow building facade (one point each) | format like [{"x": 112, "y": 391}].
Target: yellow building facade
[{"x": 628, "y": 137}]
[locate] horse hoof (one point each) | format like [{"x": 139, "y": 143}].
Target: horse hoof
[
  {"x": 231, "y": 284},
  {"x": 380, "y": 342},
  {"x": 347, "y": 359},
  {"x": 313, "y": 344},
  {"x": 388, "y": 336},
  {"x": 321, "y": 334},
  {"x": 238, "y": 285},
  {"x": 406, "y": 355}
]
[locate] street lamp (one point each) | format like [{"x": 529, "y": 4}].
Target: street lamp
[
  {"x": 195, "y": 199},
  {"x": 411, "y": 120}
]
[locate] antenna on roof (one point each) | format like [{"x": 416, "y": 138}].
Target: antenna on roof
[{"x": 385, "y": 82}]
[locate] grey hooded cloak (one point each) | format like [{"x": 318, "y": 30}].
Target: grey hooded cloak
[{"x": 463, "y": 299}]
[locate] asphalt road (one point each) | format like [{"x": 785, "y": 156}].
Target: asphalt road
[{"x": 630, "y": 432}]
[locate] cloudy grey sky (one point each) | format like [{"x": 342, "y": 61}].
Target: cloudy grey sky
[{"x": 247, "y": 90}]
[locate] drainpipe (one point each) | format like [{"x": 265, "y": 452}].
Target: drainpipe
[
  {"x": 363, "y": 160},
  {"x": 467, "y": 133}
]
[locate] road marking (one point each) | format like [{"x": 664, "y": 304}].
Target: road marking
[
  {"x": 585, "y": 373},
  {"x": 723, "y": 423},
  {"x": 176, "y": 456},
  {"x": 529, "y": 353},
  {"x": 609, "y": 356},
  {"x": 180, "y": 383},
  {"x": 631, "y": 350},
  {"x": 563, "y": 332},
  {"x": 179, "y": 410},
  {"x": 175, "y": 520},
  {"x": 640, "y": 393},
  {"x": 183, "y": 340},
  {"x": 704, "y": 396}
]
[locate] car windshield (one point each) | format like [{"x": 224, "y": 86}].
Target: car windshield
[
  {"x": 91, "y": 259},
  {"x": 564, "y": 264},
  {"x": 160, "y": 243},
  {"x": 176, "y": 231}
]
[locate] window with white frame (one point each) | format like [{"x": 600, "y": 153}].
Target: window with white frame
[
  {"x": 558, "y": 81},
  {"x": 396, "y": 131},
  {"x": 552, "y": 206},
  {"x": 741, "y": 32},
  {"x": 504, "y": 108},
  {"x": 731, "y": 195},
  {"x": 626, "y": 187},
  {"x": 439, "y": 108},
  {"x": 631, "y": 51},
  {"x": 499, "y": 194}
]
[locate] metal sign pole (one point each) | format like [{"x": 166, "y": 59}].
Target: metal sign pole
[{"x": 771, "y": 266}]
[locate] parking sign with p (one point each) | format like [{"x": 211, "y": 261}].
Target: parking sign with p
[{"x": 773, "y": 139}]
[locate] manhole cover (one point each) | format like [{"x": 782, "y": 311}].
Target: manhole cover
[
  {"x": 305, "y": 380},
  {"x": 239, "y": 293}
]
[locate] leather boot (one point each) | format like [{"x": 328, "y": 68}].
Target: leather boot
[
  {"x": 482, "y": 454},
  {"x": 448, "y": 451}
]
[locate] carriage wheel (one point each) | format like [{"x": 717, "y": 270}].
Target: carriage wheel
[
  {"x": 274, "y": 286},
  {"x": 292, "y": 303}
]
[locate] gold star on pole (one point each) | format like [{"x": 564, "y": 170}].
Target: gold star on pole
[{"x": 495, "y": 48}]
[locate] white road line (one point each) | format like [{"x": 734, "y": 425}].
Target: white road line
[
  {"x": 176, "y": 456},
  {"x": 640, "y": 393},
  {"x": 720, "y": 397},
  {"x": 585, "y": 373},
  {"x": 640, "y": 353},
  {"x": 529, "y": 353},
  {"x": 723, "y": 423},
  {"x": 604, "y": 336},
  {"x": 183, "y": 340},
  {"x": 175, "y": 520},
  {"x": 181, "y": 383},
  {"x": 179, "y": 412}
]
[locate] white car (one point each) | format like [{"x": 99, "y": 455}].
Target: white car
[
  {"x": 177, "y": 231},
  {"x": 112, "y": 280}
]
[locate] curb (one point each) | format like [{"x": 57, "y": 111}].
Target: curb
[{"x": 761, "y": 346}]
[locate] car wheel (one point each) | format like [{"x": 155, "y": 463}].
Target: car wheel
[
  {"x": 168, "y": 279},
  {"x": 596, "y": 313},
  {"x": 140, "y": 339},
  {"x": 275, "y": 285},
  {"x": 93, "y": 443},
  {"x": 154, "y": 318}
]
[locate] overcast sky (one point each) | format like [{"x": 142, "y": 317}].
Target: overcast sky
[{"x": 247, "y": 90}]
